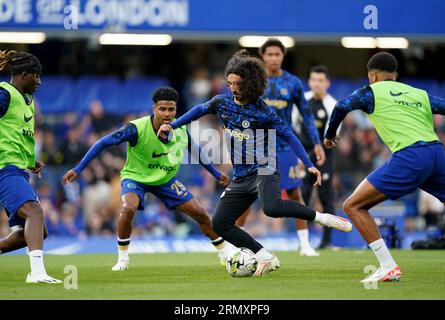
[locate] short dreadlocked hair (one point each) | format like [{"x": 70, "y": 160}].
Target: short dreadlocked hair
[
  {"x": 19, "y": 62},
  {"x": 165, "y": 93},
  {"x": 253, "y": 72}
]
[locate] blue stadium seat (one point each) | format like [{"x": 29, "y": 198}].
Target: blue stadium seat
[
  {"x": 432, "y": 86},
  {"x": 56, "y": 94},
  {"x": 139, "y": 92},
  {"x": 340, "y": 87},
  {"x": 109, "y": 90}
]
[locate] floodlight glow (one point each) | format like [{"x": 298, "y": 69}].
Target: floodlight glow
[
  {"x": 22, "y": 37},
  {"x": 257, "y": 41},
  {"x": 135, "y": 39},
  {"x": 359, "y": 42},
  {"x": 392, "y": 43}
]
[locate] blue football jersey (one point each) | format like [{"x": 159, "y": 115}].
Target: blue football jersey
[{"x": 281, "y": 94}]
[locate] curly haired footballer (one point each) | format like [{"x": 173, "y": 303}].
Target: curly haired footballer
[{"x": 251, "y": 70}]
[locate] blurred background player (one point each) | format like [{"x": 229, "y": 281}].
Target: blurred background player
[
  {"x": 17, "y": 154},
  {"x": 403, "y": 117},
  {"x": 151, "y": 166},
  {"x": 241, "y": 112},
  {"x": 283, "y": 91},
  {"x": 321, "y": 104}
]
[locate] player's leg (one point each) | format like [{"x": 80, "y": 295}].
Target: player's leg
[
  {"x": 193, "y": 209},
  {"x": 302, "y": 225},
  {"x": 16, "y": 239},
  {"x": 269, "y": 194},
  {"x": 435, "y": 184},
  {"x": 132, "y": 196},
  {"x": 175, "y": 195},
  {"x": 24, "y": 211},
  {"x": 13, "y": 241},
  {"x": 356, "y": 207},
  {"x": 227, "y": 211},
  {"x": 130, "y": 203},
  {"x": 232, "y": 204},
  {"x": 402, "y": 174},
  {"x": 234, "y": 201},
  {"x": 34, "y": 233},
  {"x": 326, "y": 195},
  {"x": 241, "y": 221},
  {"x": 291, "y": 181}
]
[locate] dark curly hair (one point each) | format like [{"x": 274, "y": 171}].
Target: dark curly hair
[
  {"x": 252, "y": 71},
  {"x": 165, "y": 93}
]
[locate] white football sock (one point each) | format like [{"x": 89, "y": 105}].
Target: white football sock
[
  {"x": 123, "y": 254},
  {"x": 122, "y": 249},
  {"x": 36, "y": 262},
  {"x": 263, "y": 254},
  {"x": 382, "y": 253},
  {"x": 303, "y": 236}
]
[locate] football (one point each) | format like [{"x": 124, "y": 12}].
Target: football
[{"x": 241, "y": 263}]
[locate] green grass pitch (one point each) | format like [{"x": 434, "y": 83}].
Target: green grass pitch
[{"x": 194, "y": 276}]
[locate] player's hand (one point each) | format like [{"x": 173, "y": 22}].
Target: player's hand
[
  {"x": 331, "y": 143},
  {"x": 164, "y": 130},
  {"x": 316, "y": 173},
  {"x": 70, "y": 176},
  {"x": 38, "y": 167},
  {"x": 319, "y": 153},
  {"x": 224, "y": 180}
]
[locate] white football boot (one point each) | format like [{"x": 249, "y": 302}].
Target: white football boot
[
  {"x": 336, "y": 222},
  {"x": 266, "y": 266},
  {"x": 384, "y": 275},
  {"x": 121, "y": 265},
  {"x": 224, "y": 252},
  {"x": 41, "y": 278},
  {"x": 309, "y": 252}
]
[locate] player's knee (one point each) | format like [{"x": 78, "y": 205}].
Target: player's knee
[
  {"x": 349, "y": 206},
  {"x": 34, "y": 212},
  {"x": 272, "y": 209},
  {"x": 220, "y": 226},
  {"x": 127, "y": 212}
]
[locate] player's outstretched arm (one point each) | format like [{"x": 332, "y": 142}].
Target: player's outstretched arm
[
  {"x": 127, "y": 133},
  {"x": 361, "y": 99},
  {"x": 204, "y": 160},
  {"x": 437, "y": 104},
  {"x": 309, "y": 121},
  {"x": 38, "y": 167},
  {"x": 298, "y": 149},
  {"x": 192, "y": 115},
  {"x": 286, "y": 133}
]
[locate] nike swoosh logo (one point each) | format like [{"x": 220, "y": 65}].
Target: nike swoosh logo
[
  {"x": 157, "y": 155},
  {"x": 27, "y": 119},
  {"x": 396, "y": 94},
  {"x": 377, "y": 249}
]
